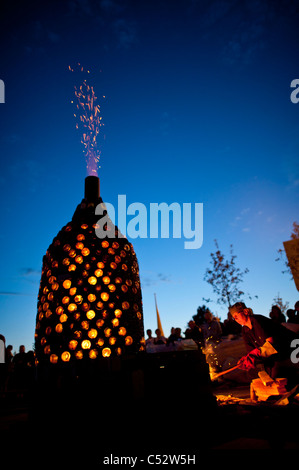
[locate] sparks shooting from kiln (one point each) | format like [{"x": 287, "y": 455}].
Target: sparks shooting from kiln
[{"x": 89, "y": 122}]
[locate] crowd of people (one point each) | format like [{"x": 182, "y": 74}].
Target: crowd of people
[
  {"x": 212, "y": 329},
  {"x": 277, "y": 330},
  {"x": 18, "y": 372}
]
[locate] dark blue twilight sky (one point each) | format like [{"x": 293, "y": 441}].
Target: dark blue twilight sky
[{"x": 197, "y": 109}]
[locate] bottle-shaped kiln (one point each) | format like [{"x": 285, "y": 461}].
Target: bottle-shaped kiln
[{"x": 89, "y": 302}]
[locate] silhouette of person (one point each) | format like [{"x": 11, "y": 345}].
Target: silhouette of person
[
  {"x": 159, "y": 338},
  {"x": 276, "y": 314},
  {"x": 150, "y": 339}
]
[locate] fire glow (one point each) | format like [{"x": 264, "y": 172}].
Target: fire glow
[{"x": 89, "y": 302}]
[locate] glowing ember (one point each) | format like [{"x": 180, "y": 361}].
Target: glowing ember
[{"x": 89, "y": 122}]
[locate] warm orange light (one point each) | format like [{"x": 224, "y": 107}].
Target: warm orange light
[
  {"x": 53, "y": 359},
  {"x": 90, "y": 314},
  {"x": 106, "y": 279},
  {"x": 48, "y": 313},
  {"x": 105, "y": 296},
  {"x": 100, "y": 322},
  {"x": 106, "y": 352},
  {"x": 86, "y": 344},
  {"x": 78, "y": 299},
  {"x": 79, "y": 354},
  {"x": 79, "y": 259},
  {"x": 122, "y": 331},
  {"x": 85, "y": 252},
  {"x": 50, "y": 296},
  {"x": 92, "y": 280},
  {"x": 92, "y": 333},
  {"x": 65, "y": 356},
  {"x": 118, "y": 313},
  {"x": 93, "y": 353},
  {"x": 72, "y": 307},
  {"x": 92, "y": 297},
  {"x": 128, "y": 340},
  {"x": 105, "y": 314},
  {"x": 73, "y": 344},
  {"x": 63, "y": 318}
]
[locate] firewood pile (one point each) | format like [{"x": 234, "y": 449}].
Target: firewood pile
[{"x": 265, "y": 387}]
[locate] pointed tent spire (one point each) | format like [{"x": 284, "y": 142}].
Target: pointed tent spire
[{"x": 159, "y": 324}]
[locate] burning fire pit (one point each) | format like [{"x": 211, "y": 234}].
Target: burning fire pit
[{"x": 89, "y": 302}]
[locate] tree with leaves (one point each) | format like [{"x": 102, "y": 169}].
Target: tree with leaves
[
  {"x": 283, "y": 306},
  {"x": 225, "y": 277},
  {"x": 199, "y": 318}
]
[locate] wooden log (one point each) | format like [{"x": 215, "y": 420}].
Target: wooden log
[
  {"x": 265, "y": 378},
  {"x": 263, "y": 392}
]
